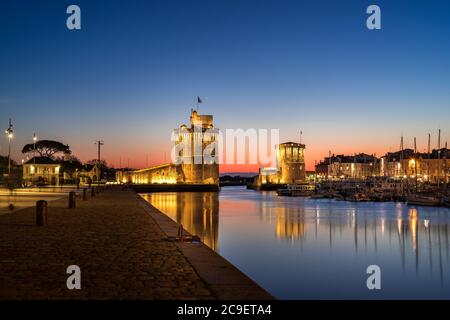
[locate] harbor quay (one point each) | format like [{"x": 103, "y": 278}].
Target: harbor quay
[{"x": 123, "y": 247}]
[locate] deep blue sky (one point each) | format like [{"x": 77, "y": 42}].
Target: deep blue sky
[{"x": 132, "y": 73}]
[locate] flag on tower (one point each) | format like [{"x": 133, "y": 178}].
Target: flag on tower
[{"x": 199, "y": 100}]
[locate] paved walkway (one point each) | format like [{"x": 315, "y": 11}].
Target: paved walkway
[{"x": 118, "y": 246}]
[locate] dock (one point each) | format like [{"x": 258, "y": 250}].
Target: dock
[{"x": 119, "y": 241}]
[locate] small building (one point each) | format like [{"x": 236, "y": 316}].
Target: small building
[
  {"x": 90, "y": 173},
  {"x": 41, "y": 170}
]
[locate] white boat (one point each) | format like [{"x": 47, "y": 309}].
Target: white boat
[{"x": 338, "y": 197}]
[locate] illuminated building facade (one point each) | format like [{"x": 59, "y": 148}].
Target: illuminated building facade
[
  {"x": 432, "y": 167},
  {"x": 42, "y": 170},
  {"x": 290, "y": 166},
  {"x": 195, "y": 157}
]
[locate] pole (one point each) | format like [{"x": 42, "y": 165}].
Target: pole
[
  {"x": 439, "y": 159},
  {"x": 9, "y": 155},
  {"x": 446, "y": 165},
  {"x": 415, "y": 162},
  {"x": 429, "y": 151},
  {"x": 9, "y": 133}
]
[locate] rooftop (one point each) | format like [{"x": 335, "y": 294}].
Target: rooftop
[{"x": 41, "y": 160}]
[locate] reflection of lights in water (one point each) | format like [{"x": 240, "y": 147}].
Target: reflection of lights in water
[
  {"x": 290, "y": 224},
  {"x": 198, "y": 215},
  {"x": 399, "y": 225},
  {"x": 413, "y": 225},
  {"x": 382, "y": 225},
  {"x": 426, "y": 223}
]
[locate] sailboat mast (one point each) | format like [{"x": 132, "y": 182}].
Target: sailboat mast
[
  {"x": 439, "y": 159},
  {"x": 429, "y": 146},
  {"x": 415, "y": 161},
  {"x": 446, "y": 166}
]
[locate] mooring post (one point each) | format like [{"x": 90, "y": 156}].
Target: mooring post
[
  {"x": 72, "y": 199},
  {"x": 41, "y": 213},
  {"x": 92, "y": 192},
  {"x": 84, "y": 194}
]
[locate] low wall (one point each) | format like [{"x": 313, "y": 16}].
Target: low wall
[{"x": 144, "y": 188}]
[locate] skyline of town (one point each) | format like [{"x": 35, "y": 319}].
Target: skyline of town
[{"x": 146, "y": 160}]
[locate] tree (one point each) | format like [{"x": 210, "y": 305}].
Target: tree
[
  {"x": 102, "y": 164},
  {"x": 46, "y": 148},
  {"x": 72, "y": 158}
]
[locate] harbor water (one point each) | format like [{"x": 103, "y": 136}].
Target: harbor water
[{"x": 301, "y": 248}]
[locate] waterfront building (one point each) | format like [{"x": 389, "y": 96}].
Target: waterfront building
[
  {"x": 430, "y": 167},
  {"x": 290, "y": 166},
  {"x": 190, "y": 165},
  {"x": 358, "y": 166}
]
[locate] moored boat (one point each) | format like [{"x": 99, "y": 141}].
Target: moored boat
[
  {"x": 420, "y": 200},
  {"x": 447, "y": 202},
  {"x": 358, "y": 197},
  {"x": 296, "y": 190}
]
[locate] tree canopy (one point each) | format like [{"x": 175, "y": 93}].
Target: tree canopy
[
  {"x": 102, "y": 164},
  {"x": 46, "y": 148},
  {"x": 4, "y": 161}
]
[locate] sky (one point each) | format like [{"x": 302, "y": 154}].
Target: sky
[{"x": 133, "y": 71}]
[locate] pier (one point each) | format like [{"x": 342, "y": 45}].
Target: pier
[{"x": 119, "y": 243}]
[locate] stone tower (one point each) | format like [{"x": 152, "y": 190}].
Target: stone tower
[
  {"x": 198, "y": 137},
  {"x": 291, "y": 162}
]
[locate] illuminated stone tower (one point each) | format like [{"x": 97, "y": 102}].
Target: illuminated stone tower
[
  {"x": 196, "y": 139},
  {"x": 291, "y": 162}
]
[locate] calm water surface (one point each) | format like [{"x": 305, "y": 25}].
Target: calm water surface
[{"x": 300, "y": 248}]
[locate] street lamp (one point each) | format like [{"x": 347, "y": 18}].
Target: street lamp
[
  {"x": 34, "y": 147},
  {"x": 10, "y": 134},
  {"x": 34, "y": 156}
]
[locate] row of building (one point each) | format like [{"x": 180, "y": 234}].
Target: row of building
[
  {"x": 431, "y": 167},
  {"x": 42, "y": 170}
]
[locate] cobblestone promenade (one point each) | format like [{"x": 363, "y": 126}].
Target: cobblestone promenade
[{"x": 119, "y": 245}]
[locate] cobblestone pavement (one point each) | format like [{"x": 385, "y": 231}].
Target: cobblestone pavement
[{"x": 118, "y": 246}]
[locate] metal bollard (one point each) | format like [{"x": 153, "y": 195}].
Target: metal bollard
[
  {"x": 92, "y": 192},
  {"x": 84, "y": 194},
  {"x": 41, "y": 213},
  {"x": 72, "y": 199}
]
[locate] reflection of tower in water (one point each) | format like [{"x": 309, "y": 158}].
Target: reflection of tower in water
[
  {"x": 290, "y": 224},
  {"x": 198, "y": 212}
]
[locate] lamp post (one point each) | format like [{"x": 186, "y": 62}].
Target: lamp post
[
  {"x": 34, "y": 145},
  {"x": 34, "y": 157},
  {"x": 10, "y": 134}
]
